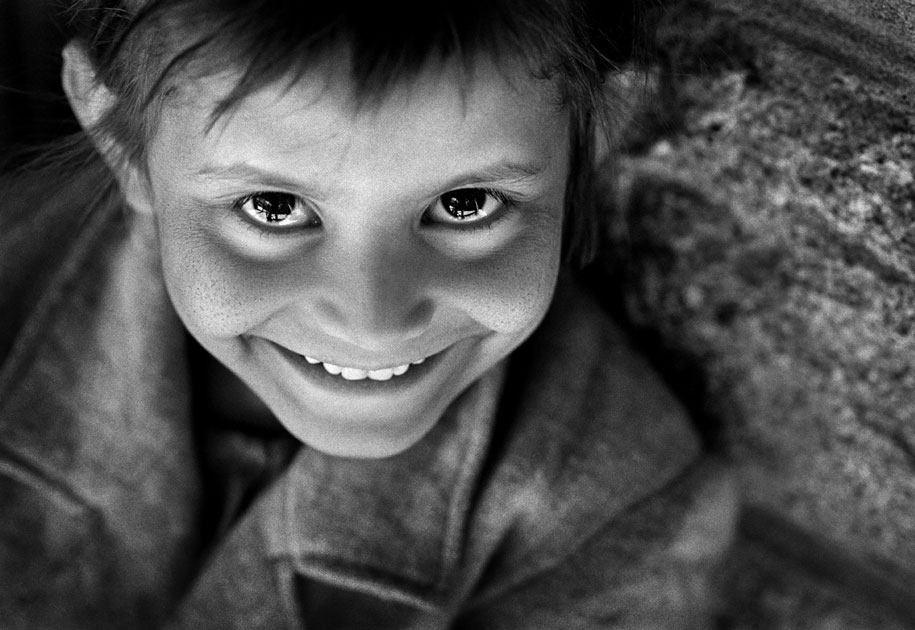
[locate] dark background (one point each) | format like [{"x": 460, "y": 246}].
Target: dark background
[{"x": 32, "y": 107}]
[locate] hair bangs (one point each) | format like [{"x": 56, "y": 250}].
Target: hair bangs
[
  {"x": 145, "y": 51},
  {"x": 375, "y": 46}
]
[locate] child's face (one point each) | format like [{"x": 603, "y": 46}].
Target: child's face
[{"x": 427, "y": 227}]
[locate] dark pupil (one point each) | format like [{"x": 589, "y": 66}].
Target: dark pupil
[
  {"x": 274, "y": 206},
  {"x": 464, "y": 203}
]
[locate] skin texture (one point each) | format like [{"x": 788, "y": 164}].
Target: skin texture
[{"x": 369, "y": 270}]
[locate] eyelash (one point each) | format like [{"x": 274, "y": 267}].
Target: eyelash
[{"x": 507, "y": 202}]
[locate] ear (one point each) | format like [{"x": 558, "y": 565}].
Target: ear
[
  {"x": 89, "y": 97},
  {"x": 90, "y": 100}
]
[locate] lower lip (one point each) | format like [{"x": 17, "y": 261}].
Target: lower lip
[{"x": 317, "y": 374}]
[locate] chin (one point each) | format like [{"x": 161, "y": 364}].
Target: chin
[{"x": 376, "y": 439}]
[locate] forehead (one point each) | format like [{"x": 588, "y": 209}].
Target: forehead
[
  {"x": 485, "y": 111},
  {"x": 480, "y": 81}
]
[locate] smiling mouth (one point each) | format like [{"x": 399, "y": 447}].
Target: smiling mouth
[
  {"x": 350, "y": 379},
  {"x": 357, "y": 374}
]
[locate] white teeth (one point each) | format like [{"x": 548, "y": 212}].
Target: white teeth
[
  {"x": 355, "y": 374},
  {"x": 381, "y": 375},
  {"x": 333, "y": 369}
]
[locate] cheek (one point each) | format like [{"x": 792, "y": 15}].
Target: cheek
[
  {"x": 215, "y": 294},
  {"x": 510, "y": 291}
]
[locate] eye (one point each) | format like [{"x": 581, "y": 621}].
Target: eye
[
  {"x": 277, "y": 210},
  {"x": 465, "y": 205}
]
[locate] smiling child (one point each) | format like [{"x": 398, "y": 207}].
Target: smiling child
[
  {"x": 365, "y": 213},
  {"x": 424, "y": 228}
]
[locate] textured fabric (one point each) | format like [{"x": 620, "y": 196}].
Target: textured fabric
[
  {"x": 563, "y": 489},
  {"x": 98, "y": 482}
]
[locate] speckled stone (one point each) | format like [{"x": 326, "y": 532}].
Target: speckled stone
[{"x": 762, "y": 226}]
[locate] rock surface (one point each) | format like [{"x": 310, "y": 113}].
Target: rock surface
[{"x": 762, "y": 226}]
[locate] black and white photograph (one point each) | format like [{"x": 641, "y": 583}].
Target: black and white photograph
[{"x": 482, "y": 315}]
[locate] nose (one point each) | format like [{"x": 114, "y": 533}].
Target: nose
[{"x": 373, "y": 296}]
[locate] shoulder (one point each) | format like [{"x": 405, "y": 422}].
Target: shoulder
[
  {"x": 43, "y": 218},
  {"x": 593, "y": 407}
]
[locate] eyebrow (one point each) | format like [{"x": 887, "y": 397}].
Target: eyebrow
[
  {"x": 244, "y": 171},
  {"x": 505, "y": 171}
]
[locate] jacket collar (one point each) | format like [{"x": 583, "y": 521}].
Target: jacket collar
[{"x": 584, "y": 429}]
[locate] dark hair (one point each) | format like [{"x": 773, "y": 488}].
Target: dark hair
[{"x": 142, "y": 48}]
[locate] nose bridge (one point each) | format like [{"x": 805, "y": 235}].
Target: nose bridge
[{"x": 374, "y": 294}]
